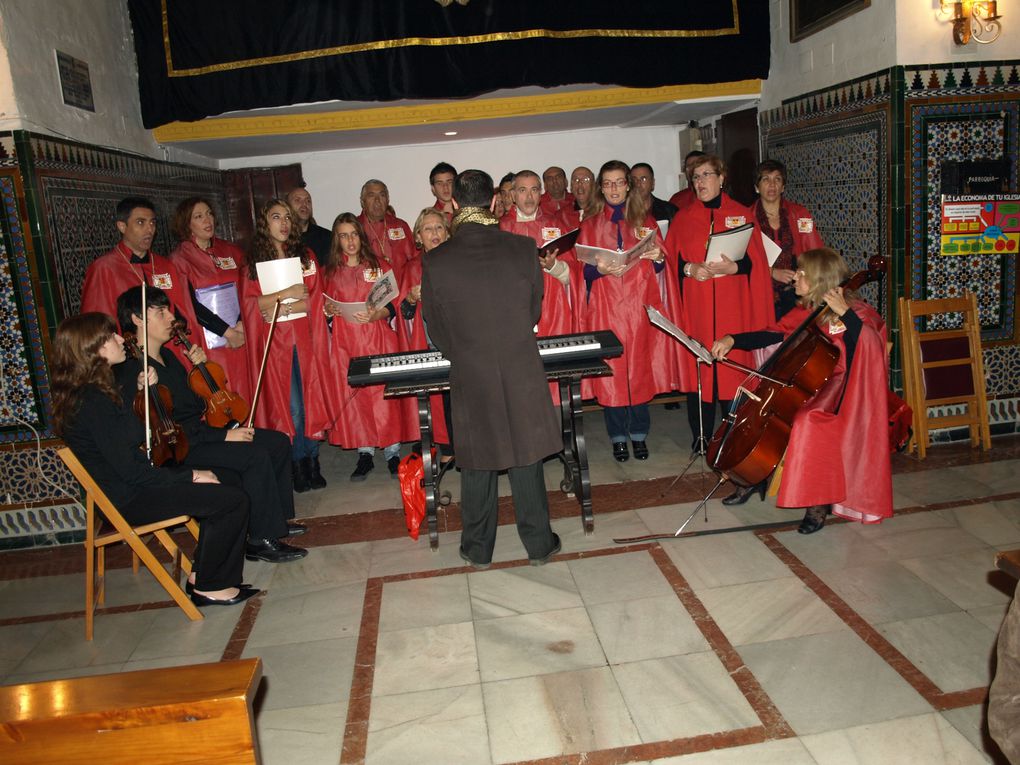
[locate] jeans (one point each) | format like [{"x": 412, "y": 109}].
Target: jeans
[
  {"x": 303, "y": 446},
  {"x": 627, "y": 421}
]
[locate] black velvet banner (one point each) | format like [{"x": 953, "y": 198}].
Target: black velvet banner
[{"x": 197, "y": 58}]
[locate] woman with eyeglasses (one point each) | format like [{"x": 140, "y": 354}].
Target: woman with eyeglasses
[
  {"x": 715, "y": 298},
  {"x": 837, "y": 459},
  {"x": 787, "y": 224},
  {"x": 615, "y": 299}
]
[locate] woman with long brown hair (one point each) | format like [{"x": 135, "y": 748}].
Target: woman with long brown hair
[
  {"x": 107, "y": 438},
  {"x": 297, "y": 392}
]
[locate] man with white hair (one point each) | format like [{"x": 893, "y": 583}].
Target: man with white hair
[{"x": 389, "y": 236}]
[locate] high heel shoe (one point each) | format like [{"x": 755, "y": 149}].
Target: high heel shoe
[
  {"x": 743, "y": 493},
  {"x": 814, "y": 518}
]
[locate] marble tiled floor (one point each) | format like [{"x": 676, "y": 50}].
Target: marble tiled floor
[{"x": 859, "y": 644}]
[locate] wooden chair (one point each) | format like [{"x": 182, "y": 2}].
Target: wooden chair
[
  {"x": 97, "y": 507},
  {"x": 944, "y": 368}
]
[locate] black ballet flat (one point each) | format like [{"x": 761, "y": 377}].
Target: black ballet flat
[
  {"x": 620, "y": 453},
  {"x": 240, "y": 597},
  {"x": 814, "y": 518},
  {"x": 640, "y": 449},
  {"x": 744, "y": 493},
  {"x": 190, "y": 588}
]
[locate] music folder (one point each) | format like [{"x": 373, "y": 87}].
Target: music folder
[
  {"x": 688, "y": 342},
  {"x": 561, "y": 243}
]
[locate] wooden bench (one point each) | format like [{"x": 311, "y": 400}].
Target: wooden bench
[
  {"x": 1009, "y": 561},
  {"x": 199, "y": 713}
]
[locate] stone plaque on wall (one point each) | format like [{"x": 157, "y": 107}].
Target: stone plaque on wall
[{"x": 75, "y": 83}]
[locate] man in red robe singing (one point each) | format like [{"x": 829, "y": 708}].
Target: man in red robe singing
[
  {"x": 127, "y": 264},
  {"x": 390, "y": 237},
  {"x": 556, "y": 200}
]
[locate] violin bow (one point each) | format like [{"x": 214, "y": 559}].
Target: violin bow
[
  {"x": 145, "y": 370},
  {"x": 262, "y": 367}
]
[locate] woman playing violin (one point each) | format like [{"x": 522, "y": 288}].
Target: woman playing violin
[
  {"x": 89, "y": 414},
  {"x": 837, "y": 460}
]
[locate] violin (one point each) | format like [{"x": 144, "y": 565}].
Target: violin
[
  {"x": 223, "y": 407},
  {"x": 169, "y": 444},
  {"x": 751, "y": 441}
]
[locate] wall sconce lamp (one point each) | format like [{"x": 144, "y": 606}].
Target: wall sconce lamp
[{"x": 976, "y": 20}]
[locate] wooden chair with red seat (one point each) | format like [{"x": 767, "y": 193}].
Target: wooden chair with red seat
[{"x": 98, "y": 507}]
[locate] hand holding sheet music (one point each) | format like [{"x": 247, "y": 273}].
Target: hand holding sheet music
[
  {"x": 730, "y": 244},
  {"x": 617, "y": 262},
  {"x": 382, "y": 292}
]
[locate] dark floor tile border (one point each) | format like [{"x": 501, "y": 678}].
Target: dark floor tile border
[
  {"x": 100, "y": 612},
  {"x": 355, "y": 742},
  {"x": 920, "y": 682},
  {"x": 242, "y": 630}
]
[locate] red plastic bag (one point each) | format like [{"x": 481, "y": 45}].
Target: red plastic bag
[{"x": 411, "y": 474}]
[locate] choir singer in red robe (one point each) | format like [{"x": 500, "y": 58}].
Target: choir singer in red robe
[{"x": 837, "y": 460}]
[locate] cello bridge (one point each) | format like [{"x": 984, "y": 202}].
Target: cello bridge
[{"x": 749, "y": 394}]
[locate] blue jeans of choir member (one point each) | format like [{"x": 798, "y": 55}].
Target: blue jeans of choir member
[
  {"x": 625, "y": 422},
  {"x": 303, "y": 446},
  {"x": 393, "y": 450}
]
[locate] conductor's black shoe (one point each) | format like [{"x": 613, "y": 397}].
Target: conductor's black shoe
[
  {"x": 744, "y": 493},
  {"x": 640, "y": 449},
  {"x": 557, "y": 546},
  {"x": 240, "y": 597},
  {"x": 364, "y": 467},
  {"x": 393, "y": 463},
  {"x": 272, "y": 551},
  {"x": 300, "y": 476},
  {"x": 477, "y": 566},
  {"x": 814, "y": 518},
  {"x": 295, "y": 529},
  {"x": 315, "y": 479},
  {"x": 620, "y": 453}
]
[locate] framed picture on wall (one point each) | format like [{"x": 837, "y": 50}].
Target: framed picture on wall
[{"x": 808, "y": 16}]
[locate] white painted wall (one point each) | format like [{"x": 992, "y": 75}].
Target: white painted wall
[
  {"x": 95, "y": 31},
  {"x": 335, "y": 178},
  {"x": 922, "y": 38}
]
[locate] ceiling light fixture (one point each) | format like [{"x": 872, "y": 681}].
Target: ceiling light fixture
[
  {"x": 450, "y": 132},
  {"x": 976, "y": 20}
]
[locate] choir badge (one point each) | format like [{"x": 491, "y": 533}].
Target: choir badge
[
  {"x": 733, "y": 221},
  {"x": 548, "y": 234},
  {"x": 225, "y": 264},
  {"x": 162, "y": 281},
  {"x": 805, "y": 225},
  {"x": 310, "y": 271},
  {"x": 395, "y": 234}
]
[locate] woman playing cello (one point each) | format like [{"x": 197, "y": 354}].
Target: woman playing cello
[{"x": 837, "y": 460}]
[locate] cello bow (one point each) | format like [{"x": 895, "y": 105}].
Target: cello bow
[{"x": 262, "y": 367}]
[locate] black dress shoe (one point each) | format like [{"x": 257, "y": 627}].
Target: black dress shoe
[
  {"x": 744, "y": 493},
  {"x": 814, "y": 518},
  {"x": 240, "y": 597},
  {"x": 273, "y": 551},
  {"x": 315, "y": 479},
  {"x": 295, "y": 529},
  {"x": 190, "y": 588},
  {"x": 620, "y": 453},
  {"x": 393, "y": 463},
  {"x": 557, "y": 546},
  {"x": 365, "y": 466},
  {"x": 640, "y": 449},
  {"x": 301, "y": 484}
]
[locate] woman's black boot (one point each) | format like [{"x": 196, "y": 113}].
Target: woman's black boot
[{"x": 814, "y": 518}]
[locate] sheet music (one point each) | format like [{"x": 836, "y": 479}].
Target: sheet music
[
  {"x": 383, "y": 291},
  {"x": 686, "y": 340},
  {"x": 772, "y": 250},
  {"x": 276, "y": 275},
  {"x": 223, "y": 301},
  {"x": 732, "y": 243},
  {"x": 561, "y": 243},
  {"x": 593, "y": 255}
]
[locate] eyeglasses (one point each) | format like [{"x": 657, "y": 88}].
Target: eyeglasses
[
  {"x": 585, "y": 179},
  {"x": 703, "y": 176},
  {"x": 614, "y": 184},
  {"x": 800, "y": 274}
]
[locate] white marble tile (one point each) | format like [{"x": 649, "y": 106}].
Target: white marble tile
[
  {"x": 930, "y": 486},
  {"x": 606, "y": 578},
  {"x": 721, "y": 559},
  {"x": 987, "y": 522},
  {"x": 425, "y": 602},
  {"x": 308, "y": 735},
  {"x": 425, "y": 658},
  {"x": 839, "y": 545},
  {"x": 323, "y": 567},
  {"x": 555, "y": 714},
  {"x": 535, "y": 644},
  {"x": 42, "y": 595},
  {"x": 44, "y": 675},
  {"x": 116, "y": 636},
  {"x": 405, "y": 555},
  {"x": 965, "y": 578},
  {"x": 919, "y": 535},
  {"x": 971, "y": 722},
  {"x": 761, "y": 611},
  {"x": 927, "y": 739},
  {"x": 997, "y": 477},
  {"x": 608, "y": 526},
  {"x": 682, "y": 696},
  {"x": 18, "y": 640},
  {"x": 954, "y": 650},
  {"x": 668, "y": 518},
  {"x": 305, "y": 674},
  {"x": 522, "y": 590},
  {"x": 171, "y": 633},
  {"x": 885, "y": 592},
  {"x": 786, "y": 751},
  {"x": 301, "y": 616},
  {"x": 172, "y": 661},
  {"x": 990, "y": 616},
  {"x": 445, "y": 726},
  {"x": 645, "y": 628},
  {"x": 830, "y": 681}
]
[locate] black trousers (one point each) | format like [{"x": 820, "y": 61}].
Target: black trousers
[
  {"x": 707, "y": 415},
  {"x": 222, "y": 513},
  {"x": 479, "y": 514},
  {"x": 262, "y": 467}
]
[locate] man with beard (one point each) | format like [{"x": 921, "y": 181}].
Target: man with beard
[{"x": 314, "y": 237}]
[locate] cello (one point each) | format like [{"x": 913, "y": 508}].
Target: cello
[
  {"x": 751, "y": 441},
  {"x": 223, "y": 407}
]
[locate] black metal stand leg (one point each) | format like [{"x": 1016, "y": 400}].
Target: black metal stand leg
[
  {"x": 567, "y": 456},
  {"x": 429, "y": 482},
  {"x": 583, "y": 482}
]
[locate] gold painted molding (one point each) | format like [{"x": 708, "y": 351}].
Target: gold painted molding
[{"x": 447, "y": 112}]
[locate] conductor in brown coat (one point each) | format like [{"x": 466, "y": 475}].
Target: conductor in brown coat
[{"x": 482, "y": 297}]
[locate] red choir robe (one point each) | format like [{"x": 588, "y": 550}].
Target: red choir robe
[
  {"x": 391, "y": 239},
  {"x": 842, "y": 458},
  {"x": 412, "y": 338},
  {"x": 364, "y": 417},
  {"x": 648, "y": 364},
  {"x": 311, "y": 338},
  {"x": 449, "y": 215},
  {"x": 719, "y": 306},
  {"x": 571, "y": 217},
  {"x": 556, "y": 206},
  {"x": 112, "y": 274},
  {"x": 803, "y": 234},
  {"x": 220, "y": 264},
  {"x": 683, "y": 198}
]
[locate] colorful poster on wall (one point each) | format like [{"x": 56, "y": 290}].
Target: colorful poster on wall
[{"x": 981, "y": 225}]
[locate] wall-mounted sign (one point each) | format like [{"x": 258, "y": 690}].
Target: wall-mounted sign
[
  {"x": 75, "y": 84},
  {"x": 981, "y": 225}
]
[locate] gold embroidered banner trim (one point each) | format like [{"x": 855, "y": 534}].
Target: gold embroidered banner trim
[{"x": 407, "y": 42}]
